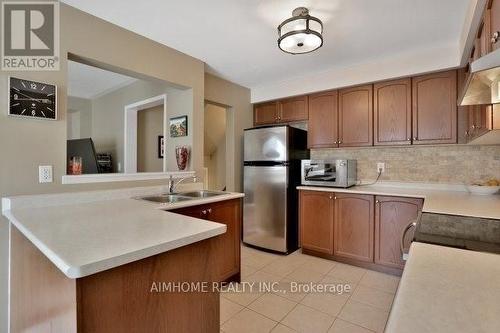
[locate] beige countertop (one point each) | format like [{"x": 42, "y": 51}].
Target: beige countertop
[
  {"x": 445, "y": 290},
  {"x": 89, "y": 232},
  {"x": 436, "y": 200}
]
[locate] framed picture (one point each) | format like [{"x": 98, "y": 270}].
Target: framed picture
[
  {"x": 178, "y": 126},
  {"x": 161, "y": 146}
]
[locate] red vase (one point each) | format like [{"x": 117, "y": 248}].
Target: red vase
[{"x": 182, "y": 157}]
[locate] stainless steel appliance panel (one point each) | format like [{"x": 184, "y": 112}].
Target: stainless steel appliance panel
[
  {"x": 266, "y": 144},
  {"x": 265, "y": 207}
]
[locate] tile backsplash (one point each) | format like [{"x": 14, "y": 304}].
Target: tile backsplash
[{"x": 454, "y": 164}]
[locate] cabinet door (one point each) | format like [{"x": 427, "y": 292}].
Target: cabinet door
[
  {"x": 293, "y": 109},
  {"x": 323, "y": 120},
  {"x": 266, "y": 113},
  {"x": 494, "y": 11},
  {"x": 316, "y": 221},
  {"x": 356, "y": 116},
  {"x": 392, "y": 112},
  {"x": 229, "y": 213},
  {"x": 392, "y": 215},
  {"x": 479, "y": 120},
  {"x": 354, "y": 226},
  {"x": 484, "y": 33},
  {"x": 435, "y": 108}
]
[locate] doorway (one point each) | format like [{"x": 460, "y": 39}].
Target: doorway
[
  {"x": 143, "y": 134},
  {"x": 215, "y": 147}
]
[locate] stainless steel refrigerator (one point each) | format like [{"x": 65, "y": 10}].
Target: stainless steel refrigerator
[{"x": 271, "y": 174}]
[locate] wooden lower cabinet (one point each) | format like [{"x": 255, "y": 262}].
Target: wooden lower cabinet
[
  {"x": 392, "y": 215},
  {"x": 229, "y": 213},
  {"x": 353, "y": 226},
  {"x": 359, "y": 229},
  {"x": 316, "y": 214},
  {"x": 127, "y": 298}
]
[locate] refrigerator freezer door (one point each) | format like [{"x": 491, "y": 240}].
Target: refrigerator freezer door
[
  {"x": 265, "y": 205},
  {"x": 266, "y": 144}
]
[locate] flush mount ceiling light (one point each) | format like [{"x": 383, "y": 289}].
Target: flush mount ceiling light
[{"x": 301, "y": 33}]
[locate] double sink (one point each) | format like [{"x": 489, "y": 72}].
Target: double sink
[{"x": 182, "y": 196}]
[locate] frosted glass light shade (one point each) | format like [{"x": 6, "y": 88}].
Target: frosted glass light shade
[{"x": 301, "y": 33}]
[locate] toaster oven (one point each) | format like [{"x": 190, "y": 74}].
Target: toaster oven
[{"x": 334, "y": 173}]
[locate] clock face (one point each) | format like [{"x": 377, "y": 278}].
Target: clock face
[{"x": 32, "y": 99}]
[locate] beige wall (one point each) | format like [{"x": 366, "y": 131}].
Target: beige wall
[
  {"x": 25, "y": 143},
  {"x": 149, "y": 127},
  {"x": 108, "y": 117},
  {"x": 237, "y": 99},
  {"x": 83, "y": 107},
  {"x": 455, "y": 164}
]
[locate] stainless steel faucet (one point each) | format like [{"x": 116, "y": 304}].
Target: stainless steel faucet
[{"x": 172, "y": 184}]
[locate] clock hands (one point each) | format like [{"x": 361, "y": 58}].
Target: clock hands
[
  {"x": 41, "y": 100},
  {"x": 29, "y": 98}
]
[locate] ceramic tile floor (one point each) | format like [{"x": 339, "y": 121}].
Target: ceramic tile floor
[{"x": 362, "y": 310}]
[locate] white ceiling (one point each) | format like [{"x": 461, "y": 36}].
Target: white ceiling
[
  {"x": 91, "y": 82},
  {"x": 237, "y": 38}
]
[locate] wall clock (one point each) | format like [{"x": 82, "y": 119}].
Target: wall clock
[{"x": 32, "y": 99}]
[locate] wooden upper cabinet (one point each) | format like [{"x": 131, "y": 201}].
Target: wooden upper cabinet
[
  {"x": 323, "y": 120},
  {"x": 265, "y": 113},
  {"x": 293, "y": 109},
  {"x": 435, "y": 108},
  {"x": 392, "y": 215},
  {"x": 356, "y": 116},
  {"x": 493, "y": 12},
  {"x": 479, "y": 120},
  {"x": 354, "y": 226},
  {"x": 392, "y": 112},
  {"x": 316, "y": 214}
]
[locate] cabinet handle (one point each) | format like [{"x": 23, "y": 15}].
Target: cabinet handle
[
  {"x": 331, "y": 197},
  {"x": 209, "y": 210},
  {"x": 204, "y": 212},
  {"x": 415, "y": 138},
  {"x": 495, "y": 36},
  {"x": 408, "y": 139},
  {"x": 335, "y": 198},
  {"x": 412, "y": 224},
  {"x": 376, "y": 201},
  {"x": 340, "y": 142}
]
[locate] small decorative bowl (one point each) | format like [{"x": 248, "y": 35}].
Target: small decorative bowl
[{"x": 483, "y": 190}]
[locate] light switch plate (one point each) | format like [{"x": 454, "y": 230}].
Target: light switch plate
[{"x": 45, "y": 174}]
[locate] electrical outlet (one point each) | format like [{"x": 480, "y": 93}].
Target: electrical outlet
[
  {"x": 45, "y": 174},
  {"x": 380, "y": 167}
]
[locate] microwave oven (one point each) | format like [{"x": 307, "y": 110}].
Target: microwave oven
[{"x": 333, "y": 173}]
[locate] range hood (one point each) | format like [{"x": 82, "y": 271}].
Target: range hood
[{"x": 483, "y": 84}]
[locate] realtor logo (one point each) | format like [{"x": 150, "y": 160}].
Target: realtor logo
[{"x": 30, "y": 35}]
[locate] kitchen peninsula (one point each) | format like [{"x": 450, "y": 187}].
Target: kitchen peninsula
[{"x": 90, "y": 266}]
